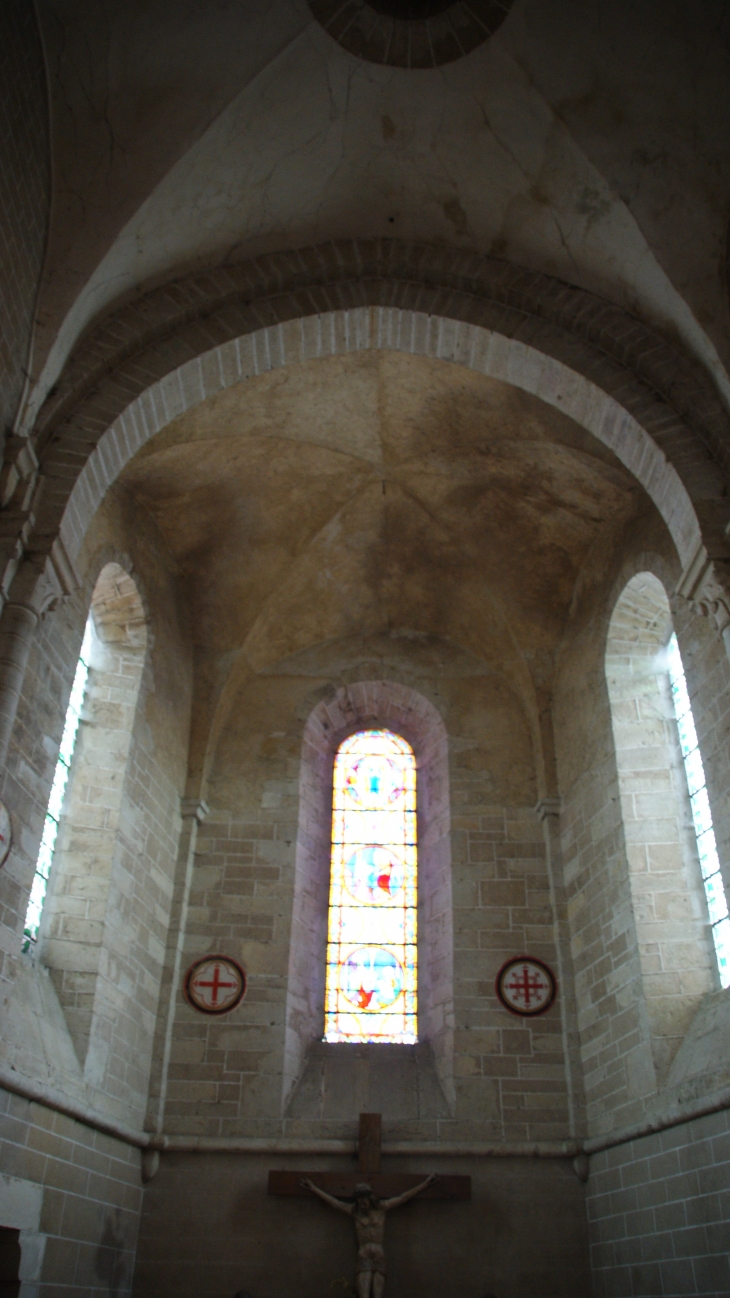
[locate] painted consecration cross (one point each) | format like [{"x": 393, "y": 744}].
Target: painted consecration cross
[
  {"x": 526, "y": 986},
  {"x": 366, "y": 1196},
  {"x": 214, "y": 984}
]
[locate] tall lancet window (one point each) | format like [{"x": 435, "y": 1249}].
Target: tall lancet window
[
  {"x": 58, "y": 792},
  {"x": 701, "y": 813},
  {"x": 372, "y": 967}
]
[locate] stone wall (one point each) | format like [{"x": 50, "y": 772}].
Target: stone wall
[
  {"x": 678, "y": 965},
  {"x": 92, "y": 1182},
  {"x": 209, "y": 1229},
  {"x": 658, "y": 1212},
  {"x": 109, "y": 1064},
  {"x": 97, "y": 818},
  {"x": 226, "y": 1077},
  {"x": 616, "y": 1054},
  {"x": 91, "y": 1198}
]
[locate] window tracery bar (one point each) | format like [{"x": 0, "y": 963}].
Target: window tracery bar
[
  {"x": 44, "y": 862},
  {"x": 701, "y": 813},
  {"x": 371, "y": 983}
]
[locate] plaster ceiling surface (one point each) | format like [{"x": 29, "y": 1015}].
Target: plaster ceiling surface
[
  {"x": 379, "y": 500},
  {"x": 583, "y": 140}
]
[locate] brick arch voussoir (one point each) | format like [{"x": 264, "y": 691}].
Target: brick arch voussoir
[{"x": 147, "y": 339}]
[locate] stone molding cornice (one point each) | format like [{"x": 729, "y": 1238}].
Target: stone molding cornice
[{"x": 40, "y": 1093}]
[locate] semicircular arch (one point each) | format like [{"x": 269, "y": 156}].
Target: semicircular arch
[{"x": 389, "y": 328}]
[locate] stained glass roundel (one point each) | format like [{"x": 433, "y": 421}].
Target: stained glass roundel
[
  {"x": 374, "y": 875},
  {"x": 371, "y": 990}
]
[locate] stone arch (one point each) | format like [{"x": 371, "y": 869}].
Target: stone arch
[
  {"x": 409, "y": 713},
  {"x": 84, "y": 935},
  {"x": 392, "y": 329},
  {"x": 670, "y": 913},
  {"x": 162, "y": 352}
]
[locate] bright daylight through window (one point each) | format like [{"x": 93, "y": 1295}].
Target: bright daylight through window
[
  {"x": 58, "y": 791},
  {"x": 371, "y": 990},
  {"x": 701, "y": 814}
]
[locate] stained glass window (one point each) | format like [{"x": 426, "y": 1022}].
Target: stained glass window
[
  {"x": 701, "y": 813},
  {"x": 372, "y": 969},
  {"x": 58, "y": 791}
]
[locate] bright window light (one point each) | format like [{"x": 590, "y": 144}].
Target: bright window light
[
  {"x": 701, "y": 814},
  {"x": 58, "y": 790},
  {"x": 371, "y": 988}
]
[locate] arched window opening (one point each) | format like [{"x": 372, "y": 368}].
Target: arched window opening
[
  {"x": 701, "y": 812},
  {"x": 44, "y": 862},
  {"x": 371, "y": 991},
  {"x": 81, "y": 903},
  {"x": 669, "y": 912}
]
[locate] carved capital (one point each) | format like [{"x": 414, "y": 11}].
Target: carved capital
[
  {"x": 41, "y": 581},
  {"x": 705, "y": 584},
  {"x": 194, "y": 808}
]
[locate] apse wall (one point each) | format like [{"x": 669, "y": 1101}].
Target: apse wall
[
  {"x": 226, "y": 1076},
  {"x": 508, "y": 1077},
  {"x": 87, "y": 1182}
]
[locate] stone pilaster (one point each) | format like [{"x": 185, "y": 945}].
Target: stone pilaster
[{"x": 193, "y": 812}]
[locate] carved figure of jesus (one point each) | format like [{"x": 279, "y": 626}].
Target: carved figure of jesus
[{"x": 369, "y": 1214}]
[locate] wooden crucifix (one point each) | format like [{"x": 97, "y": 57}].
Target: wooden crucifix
[{"x": 366, "y": 1196}]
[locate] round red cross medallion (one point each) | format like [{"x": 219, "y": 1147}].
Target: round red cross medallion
[
  {"x": 526, "y": 986},
  {"x": 215, "y": 984}
]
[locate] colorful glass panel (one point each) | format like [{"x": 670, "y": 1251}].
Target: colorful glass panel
[
  {"x": 372, "y": 968},
  {"x": 701, "y": 814}
]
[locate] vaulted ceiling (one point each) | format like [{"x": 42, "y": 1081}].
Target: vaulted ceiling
[
  {"x": 385, "y": 496},
  {"x": 582, "y": 139}
]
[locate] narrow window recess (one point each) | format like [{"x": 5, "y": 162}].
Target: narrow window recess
[
  {"x": 371, "y": 983},
  {"x": 701, "y": 813},
  {"x": 58, "y": 791}
]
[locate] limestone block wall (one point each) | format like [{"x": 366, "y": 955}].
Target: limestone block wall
[
  {"x": 225, "y": 1070},
  {"x": 94, "y": 835},
  {"x": 26, "y": 780},
  {"x": 106, "y": 960},
  {"x": 91, "y": 1183},
  {"x": 678, "y": 965},
  {"x": 510, "y": 1072},
  {"x": 618, "y": 1068},
  {"x": 91, "y": 1195},
  {"x": 658, "y": 1212},
  {"x": 226, "y": 1076},
  {"x": 632, "y": 969}
]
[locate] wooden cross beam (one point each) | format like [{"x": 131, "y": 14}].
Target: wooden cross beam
[{"x": 383, "y": 1184}]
